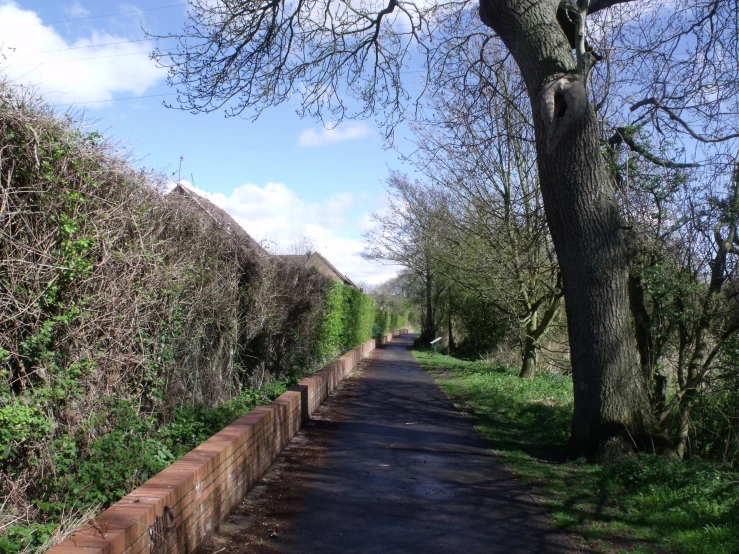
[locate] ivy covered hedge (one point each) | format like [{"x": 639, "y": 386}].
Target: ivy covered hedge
[{"x": 132, "y": 325}]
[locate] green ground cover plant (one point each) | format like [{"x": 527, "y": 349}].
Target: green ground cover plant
[
  {"x": 129, "y": 449},
  {"x": 645, "y": 503}
]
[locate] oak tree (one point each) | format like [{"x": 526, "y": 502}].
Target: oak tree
[{"x": 343, "y": 58}]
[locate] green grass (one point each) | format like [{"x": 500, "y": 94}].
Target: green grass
[
  {"x": 642, "y": 504},
  {"x": 134, "y": 449}
]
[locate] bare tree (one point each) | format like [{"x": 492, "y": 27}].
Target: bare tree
[
  {"x": 477, "y": 153},
  {"x": 405, "y": 235},
  {"x": 333, "y": 52}
]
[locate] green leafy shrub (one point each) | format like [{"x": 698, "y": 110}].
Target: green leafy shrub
[
  {"x": 352, "y": 318},
  {"x": 133, "y": 325},
  {"x": 194, "y": 425},
  {"x": 118, "y": 306},
  {"x": 387, "y": 321},
  {"x": 22, "y": 537},
  {"x": 715, "y": 412},
  {"x": 330, "y": 336}
]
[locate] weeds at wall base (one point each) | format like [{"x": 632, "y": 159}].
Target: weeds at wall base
[{"x": 118, "y": 462}]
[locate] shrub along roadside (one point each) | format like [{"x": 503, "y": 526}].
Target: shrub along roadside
[
  {"x": 351, "y": 318},
  {"x": 131, "y": 446},
  {"x": 643, "y": 504},
  {"x": 133, "y": 324},
  {"x": 118, "y": 306},
  {"x": 129, "y": 449}
]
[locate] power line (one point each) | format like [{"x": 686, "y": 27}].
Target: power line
[
  {"x": 114, "y": 100},
  {"x": 14, "y": 54},
  {"x": 119, "y": 13},
  {"x": 78, "y": 59}
]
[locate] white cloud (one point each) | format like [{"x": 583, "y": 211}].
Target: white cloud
[
  {"x": 94, "y": 69},
  {"x": 351, "y": 131},
  {"x": 277, "y": 217}
]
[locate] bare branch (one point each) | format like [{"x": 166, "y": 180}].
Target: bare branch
[
  {"x": 622, "y": 135},
  {"x": 670, "y": 112},
  {"x": 598, "y": 5}
]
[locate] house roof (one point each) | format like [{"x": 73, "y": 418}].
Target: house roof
[
  {"x": 222, "y": 219},
  {"x": 231, "y": 226},
  {"x": 321, "y": 264}
]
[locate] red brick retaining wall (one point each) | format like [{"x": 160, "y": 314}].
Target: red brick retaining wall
[{"x": 176, "y": 509}]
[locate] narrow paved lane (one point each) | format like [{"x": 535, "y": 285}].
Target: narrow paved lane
[{"x": 403, "y": 472}]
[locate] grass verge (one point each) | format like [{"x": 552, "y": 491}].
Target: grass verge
[{"x": 645, "y": 504}]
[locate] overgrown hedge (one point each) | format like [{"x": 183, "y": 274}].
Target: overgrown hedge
[
  {"x": 132, "y": 325},
  {"x": 386, "y": 321}
]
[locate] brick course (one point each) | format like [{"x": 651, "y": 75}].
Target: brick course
[{"x": 176, "y": 509}]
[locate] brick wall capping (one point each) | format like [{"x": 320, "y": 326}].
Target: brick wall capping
[{"x": 174, "y": 511}]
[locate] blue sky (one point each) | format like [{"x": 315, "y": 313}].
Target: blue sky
[{"x": 282, "y": 177}]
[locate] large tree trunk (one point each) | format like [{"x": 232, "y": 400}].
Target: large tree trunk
[{"x": 610, "y": 394}]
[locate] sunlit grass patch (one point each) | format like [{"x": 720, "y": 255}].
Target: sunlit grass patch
[{"x": 643, "y": 504}]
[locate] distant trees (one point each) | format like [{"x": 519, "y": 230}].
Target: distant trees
[
  {"x": 393, "y": 303},
  {"x": 478, "y": 157},
  {"x": 479, "y": 215},
  {"x": 407, "y": 235},
  {"x": 469, "y": 254}
]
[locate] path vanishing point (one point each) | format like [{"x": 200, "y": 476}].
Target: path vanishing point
[{"x": 388, "y": 465}]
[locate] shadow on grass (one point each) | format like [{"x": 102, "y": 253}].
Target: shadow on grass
[{"x": 641, "y": 504}]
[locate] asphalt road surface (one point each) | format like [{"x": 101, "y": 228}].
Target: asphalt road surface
[{"x": 389, "y": 466}]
